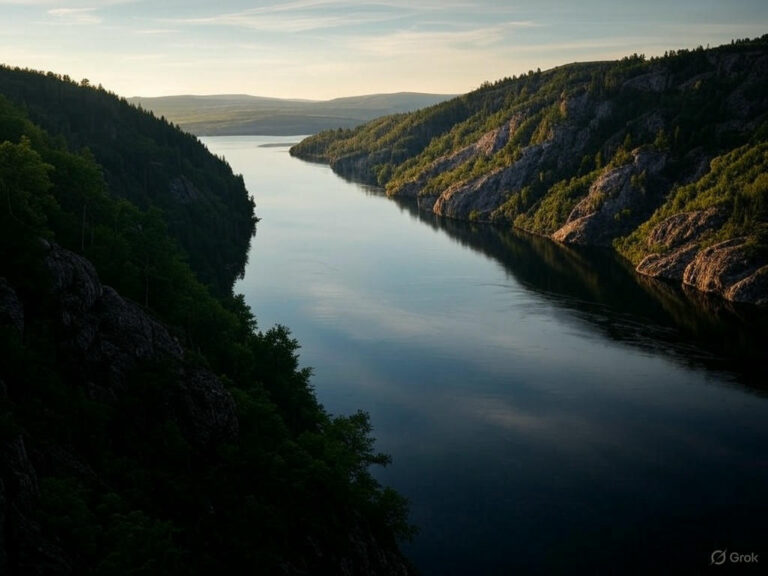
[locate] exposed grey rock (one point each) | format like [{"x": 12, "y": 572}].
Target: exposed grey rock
[
  {"x": 729, "y": 270},
  {"x": 74, "y": 283},
  {"x": 11, "y": 308},
  {"x": 613, "y": 199},
  {"x": 669, "y": 265},
  {"x": 726, "y": 269},
  {"x": 103, "y": 330},
  {"x": 684, "y": 227},
  {"x": 108, "y": 337},
  {"x": 486, "y": 193},
  {"x": 124, "y": 336},
  {"x": 752, "y": 289},
  {"x": 679, "y": 237},
  {"x": 488, "y": 144}
]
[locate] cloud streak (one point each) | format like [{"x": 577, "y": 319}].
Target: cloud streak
[
  {"x": 414, "y": 41},
  {"x": 76, "y": 15}
]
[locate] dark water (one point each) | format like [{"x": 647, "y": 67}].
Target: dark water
[{"x": 547, "y": 410}]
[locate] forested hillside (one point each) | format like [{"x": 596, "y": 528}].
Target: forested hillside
[
  {"x": 599, "y": 153},
  {"x": 147, "y": 426},
  {"x": 148, "y": 162}
]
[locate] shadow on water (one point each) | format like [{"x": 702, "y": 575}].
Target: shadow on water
[{"x": 600, "y": 288}]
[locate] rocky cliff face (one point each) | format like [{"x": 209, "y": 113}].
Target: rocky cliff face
[
  {"x": 102, "y": 340},
  {"x": 730, "y": 269},
  {"x": 107, "y": 338},
  {"x": 614, "y": 202},
  {"x": 638, "y": 129}
]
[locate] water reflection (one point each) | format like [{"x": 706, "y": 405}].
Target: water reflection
[
  {"x": 601, "y": 289},
  {"x": 547, "y": 410}
]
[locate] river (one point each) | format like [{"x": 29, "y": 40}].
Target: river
[{"x": 547, "y": 410}]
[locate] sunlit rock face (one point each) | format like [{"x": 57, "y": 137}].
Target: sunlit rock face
[
  {"x": 600, "y": 216},
  {"x": 729, "y": 269}
]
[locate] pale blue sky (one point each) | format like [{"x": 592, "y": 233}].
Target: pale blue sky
[{"x": 327, "y": 48}]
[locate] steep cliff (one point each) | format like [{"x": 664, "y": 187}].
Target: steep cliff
[
  {"x": 585, "y": 153},
  {"x": 121, "y": 392}
]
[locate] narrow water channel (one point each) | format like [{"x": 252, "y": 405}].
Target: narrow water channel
[{"x": 546, "y": 410}]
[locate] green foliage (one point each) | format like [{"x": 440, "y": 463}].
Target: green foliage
[
  {"x": 24, "y": 186},
  {"x": 687, "y": 106},
  {"x": 144, "y": 160},
  {"x": 127, "y": 490},
  {"x": 736, "y": 185},
  {"x": 552, "y": 211}
]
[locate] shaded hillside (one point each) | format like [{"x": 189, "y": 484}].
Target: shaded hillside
[
  {"x": 148, "y": 426},
  {"x": 587, "y": 153},
  {"x": 242, "y": 114},
  {"x": 148, "y": 162}
]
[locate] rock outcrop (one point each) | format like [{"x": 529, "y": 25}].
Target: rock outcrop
[
  {"x": 103, "y": 340},
  {"x": 728, "y": 269},
  {"x": 107, "y": 338},
  {"x": 613, "y": 203},
  {"x": 485, "y": 194},
  {"x": 488, "y": 144},
  {"x": 675, "y": 242}
]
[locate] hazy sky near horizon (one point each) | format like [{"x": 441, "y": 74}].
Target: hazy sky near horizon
[{"x": 321, "y": 49}]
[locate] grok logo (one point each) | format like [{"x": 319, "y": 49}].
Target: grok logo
[{"x": 720, "y": 557}]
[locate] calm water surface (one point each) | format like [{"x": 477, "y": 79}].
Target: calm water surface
[{"x": 547, "y": 410}]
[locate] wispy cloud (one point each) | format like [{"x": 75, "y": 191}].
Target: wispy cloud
[
  {"x": 76, "y": 15},
  {"x": 80, "y": 4},
  {"x": 307, "y": 15},
  {"x": 415, "y": 41},
  {"x": 281, "y": 20},
  {"x": 272, "y": 23},
  {"x": 156, "y": 31}
]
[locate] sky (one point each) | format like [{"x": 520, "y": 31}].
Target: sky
[{"x": 322, "y": 49}]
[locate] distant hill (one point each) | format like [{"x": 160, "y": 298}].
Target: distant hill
[
  {"x": 235, "y": 114},
  {"x": 665, "y": 159}
]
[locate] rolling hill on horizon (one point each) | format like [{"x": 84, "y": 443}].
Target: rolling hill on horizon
[{"x": 241, "y": 114}]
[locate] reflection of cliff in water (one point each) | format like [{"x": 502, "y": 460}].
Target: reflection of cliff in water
[{"x": 599, "y": 288}]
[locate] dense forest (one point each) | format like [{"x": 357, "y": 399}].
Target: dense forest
[
  {"x": 148, "y": 162},
  {"x": 147, "y": 425},
  {"x": 661, "y": 158}
]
